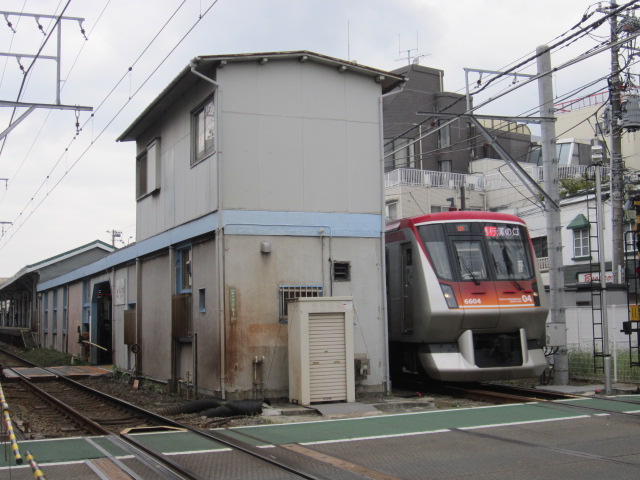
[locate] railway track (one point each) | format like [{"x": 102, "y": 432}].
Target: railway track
[
  {"x": 502, "y": 394},
  {"x": 87, "y": 412}
]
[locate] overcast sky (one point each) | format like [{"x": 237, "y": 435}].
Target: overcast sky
[{"x": 68, "y": 188}]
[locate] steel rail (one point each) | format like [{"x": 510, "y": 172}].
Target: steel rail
[{"x": 160, "y": 420}]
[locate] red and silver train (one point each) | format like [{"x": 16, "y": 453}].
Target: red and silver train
[{"x": 464, "y": 296}]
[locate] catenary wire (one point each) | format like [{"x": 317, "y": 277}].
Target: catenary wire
[{"x": 84, "y": 152}]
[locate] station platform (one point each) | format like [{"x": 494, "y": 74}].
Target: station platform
[{"x": 568, "y": 439}]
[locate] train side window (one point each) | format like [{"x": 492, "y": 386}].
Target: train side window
[{"x": 436, "y": 243}]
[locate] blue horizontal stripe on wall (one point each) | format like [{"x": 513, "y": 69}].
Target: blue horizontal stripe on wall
[
  {"x": 236, "y": 222},
  {"x": 251, "y": 222}
]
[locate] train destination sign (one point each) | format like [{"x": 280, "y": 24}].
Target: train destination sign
[{"x": 493, "y": 231}]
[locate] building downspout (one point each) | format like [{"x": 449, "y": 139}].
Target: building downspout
[
  {"x": 383, "y": 290},
  {"x": 219, "y": 231}
]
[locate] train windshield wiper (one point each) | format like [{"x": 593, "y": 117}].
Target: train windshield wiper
[
  {"x": 507, "y": 271},
  {"x": 468, "y": 270}
]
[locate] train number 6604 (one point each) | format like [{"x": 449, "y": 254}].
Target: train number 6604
[{"x": 472, "y": 301}]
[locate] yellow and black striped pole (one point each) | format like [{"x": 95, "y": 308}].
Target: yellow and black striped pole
[
  {"x": 9, "y": 428},
  {"x": 37, "y": 473}
]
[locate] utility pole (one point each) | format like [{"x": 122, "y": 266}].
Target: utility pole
[
  {"x": 616, "y": 164},
  {"x": 114, "y": 234},
  {"x": 554, "y": 224}
]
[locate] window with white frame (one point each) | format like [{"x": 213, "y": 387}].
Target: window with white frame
[
  {"x": 141, "y": 174},
  {"x": 400, "y": 153},
  {"x": 148, "y": 169},
  {"x": 391, "y": 211},
  {"x": 580, "y": 226},
  {"x": 580, "y": 242},
  {"x": 444, "y": 136},
  {"x": 439, "y": 208},
  {"x": 203, "y": 131}
]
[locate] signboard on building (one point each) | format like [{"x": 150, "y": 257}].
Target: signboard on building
[
  {"x": 121, "y": 291},
  {"x": 594, "y": 277}
]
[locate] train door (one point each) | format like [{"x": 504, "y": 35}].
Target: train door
[{"x": 407, "y": 285}]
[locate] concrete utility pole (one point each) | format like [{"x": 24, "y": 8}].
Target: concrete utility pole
[
  {"x": 551, "y": 185},
  {"x": 114, "y": 234},
  {"x": 616, "y": 164}
]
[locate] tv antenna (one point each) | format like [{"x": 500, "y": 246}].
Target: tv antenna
[{"x": 407, "y": 54}]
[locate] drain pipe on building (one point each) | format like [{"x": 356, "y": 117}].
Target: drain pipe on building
[
  {"x": 219, "y": 230},
  {"x": 383, "y": 269}
]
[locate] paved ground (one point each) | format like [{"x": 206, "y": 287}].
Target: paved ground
[{"x": 583, "y": 438}]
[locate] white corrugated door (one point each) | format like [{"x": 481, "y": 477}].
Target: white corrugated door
[{"x": 327, "y": 357}]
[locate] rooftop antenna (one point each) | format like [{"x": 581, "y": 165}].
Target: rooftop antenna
[{"x": 411, "y": 59}]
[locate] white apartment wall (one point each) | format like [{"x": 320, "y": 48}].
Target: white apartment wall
[
  {"x": 572, "y": 125},
  {"x": 299, "y": 137},
  {"x": 418, "y": 200}
]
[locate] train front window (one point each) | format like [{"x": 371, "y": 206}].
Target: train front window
[
  {"x": 436, "y": 242},
  {"x": 471, "y": 263},
  {"x": 508, "y": 250}
]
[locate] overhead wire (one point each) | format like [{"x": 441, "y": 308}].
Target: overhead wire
[
  {"x": 522, "y": 63},
  {"x": 84, "y": 152},
  {"x": 37, "y": 136},
  {"x": 104, "y": 100},
  {"x": 28, "y": 69}
]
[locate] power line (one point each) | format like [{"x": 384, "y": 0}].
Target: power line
[{"x": 81, "y": 156}]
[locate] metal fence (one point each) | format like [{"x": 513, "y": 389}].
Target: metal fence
[{"x": 580, "y": 345}]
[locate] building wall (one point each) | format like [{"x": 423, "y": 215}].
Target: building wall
[
  {"x": 155, "y": 305},
  {"x": 299, "y": 137},
  {"x": 572, "y": 124},
  {"x": 415, "y": 200},
  {"x": 123, "y": 291},
  {"x": 186, "y": 192},
  {"x": 75, "y": 318},
  {"x": 298, "y": 261}
]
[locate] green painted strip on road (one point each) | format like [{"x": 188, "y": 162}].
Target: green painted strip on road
[
  {"x": 623, "y": 404},
  {"x": 403, "y": 424},
  {"x": 64, "y": 450},
  {"x": 177, "y": 442}
]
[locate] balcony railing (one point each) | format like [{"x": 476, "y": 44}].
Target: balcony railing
[
  {"x": 429, "y": 178},
  {"x": 507, "y": 178},
  {"x": 494, "y": 181},
  {"x": 543, "y": 264}
]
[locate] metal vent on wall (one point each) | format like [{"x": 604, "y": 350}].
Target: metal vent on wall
[{"x": 341, "y": 271}]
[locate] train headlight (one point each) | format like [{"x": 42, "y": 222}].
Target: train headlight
[
  {"x": 447, "y": 291},
  {"x": 536, "y": 295}
]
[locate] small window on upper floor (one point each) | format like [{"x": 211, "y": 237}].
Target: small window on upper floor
[
  {"x": 148, "y": 169},
  {"x": 203, "y": 131},
  {"x": 141, "y": 175}
]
